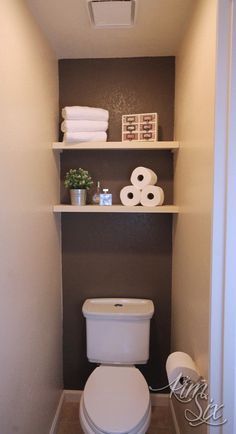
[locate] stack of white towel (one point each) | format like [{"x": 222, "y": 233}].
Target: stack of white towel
[
  {"x": 143, "y": 189},
  {"x": 84, "y": 124}
]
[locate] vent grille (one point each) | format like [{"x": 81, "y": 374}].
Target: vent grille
[{"x": 112, "y": 13}]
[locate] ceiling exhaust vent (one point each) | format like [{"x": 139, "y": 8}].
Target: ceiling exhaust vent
[{"x": 112, "y": 13}]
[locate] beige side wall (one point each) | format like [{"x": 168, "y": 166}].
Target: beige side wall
[
  {"x": 30, "y": 287},
  {"x": 194, "y": 128}
]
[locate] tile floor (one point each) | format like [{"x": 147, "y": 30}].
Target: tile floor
[{"x": 161, "y": 422}]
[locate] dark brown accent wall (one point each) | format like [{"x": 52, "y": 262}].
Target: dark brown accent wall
[
  {"x": 137, "y": 85},
  {"x": 117, "y": 255}
]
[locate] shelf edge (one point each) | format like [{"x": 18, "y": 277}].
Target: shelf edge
[
  {"x": 164, "y": 209},
  {"x": 161, "y": 145}
]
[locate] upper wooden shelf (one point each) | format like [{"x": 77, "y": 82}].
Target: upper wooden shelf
[{"x": 146, "y": 146}]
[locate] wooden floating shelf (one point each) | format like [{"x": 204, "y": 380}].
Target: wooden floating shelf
[
  {"x": 164, "y": 209},
  {"x": 132, "y": 145}
]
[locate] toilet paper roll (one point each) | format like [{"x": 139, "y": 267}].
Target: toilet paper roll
[
  {"x": 152, "y": 196},
  {"x": 130, "y": 195},
  {"x": 178, "y": 367},
  {"x": 142, "y": 176}
]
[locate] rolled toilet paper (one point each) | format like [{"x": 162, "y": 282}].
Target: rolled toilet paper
[
  {"x": 178, "y": 367},
  {"x": 152, "y": 195},
  {"x": 130, "y": 195},
  {"x": 142, "y": 176}
]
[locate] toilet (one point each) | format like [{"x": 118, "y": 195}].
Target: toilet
[{"x": 116, "y": 398}]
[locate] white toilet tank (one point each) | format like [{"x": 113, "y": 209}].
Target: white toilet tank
[{"x": 118, "y": 330}]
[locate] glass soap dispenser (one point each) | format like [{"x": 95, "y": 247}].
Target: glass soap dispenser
[{"x": 96, "y": 196}]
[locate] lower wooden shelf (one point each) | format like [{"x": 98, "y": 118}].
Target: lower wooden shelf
[{"x": 164, "y": 209}]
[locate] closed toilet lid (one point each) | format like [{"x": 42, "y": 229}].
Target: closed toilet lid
[{"x": 116, "y": 398}]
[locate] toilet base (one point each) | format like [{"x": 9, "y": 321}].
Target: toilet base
[{"x": 89, "y": 428}]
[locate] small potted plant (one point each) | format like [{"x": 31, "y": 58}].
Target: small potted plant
[{"x": 78, "y": 181}]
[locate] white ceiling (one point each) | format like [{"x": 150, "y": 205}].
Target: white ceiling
[{"x": 159, "y": 28}]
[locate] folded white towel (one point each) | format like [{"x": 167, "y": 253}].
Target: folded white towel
[
  {"x": 77, "y": 126},
  {"x": 85, "y": 113},
  {"x": 96, "y": 136}
]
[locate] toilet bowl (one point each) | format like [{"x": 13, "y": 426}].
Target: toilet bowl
[
  {"x": 116, "y": 397},
  {"x": 115, "y": 400}
]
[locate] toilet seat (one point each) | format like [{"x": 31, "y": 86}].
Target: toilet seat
[{"x": 116, "y": 400}]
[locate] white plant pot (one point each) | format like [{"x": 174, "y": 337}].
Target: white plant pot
[{"x": 78, "y": 197}]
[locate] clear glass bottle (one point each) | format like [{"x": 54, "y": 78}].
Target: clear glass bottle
[{"x": 96, "y": 196}]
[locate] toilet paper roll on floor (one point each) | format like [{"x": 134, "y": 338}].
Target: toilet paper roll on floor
[
  {"x": 142, "y": 176},
  {"x": 130, "y": 195},
  {"x": 179, "y": 366},
  {"x": 152, "y": 195}
]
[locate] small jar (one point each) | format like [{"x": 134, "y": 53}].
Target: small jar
[{"x": 105, "y": 197}]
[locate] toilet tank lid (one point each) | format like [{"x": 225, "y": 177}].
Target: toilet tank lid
[{"x": 118, "y": 308}]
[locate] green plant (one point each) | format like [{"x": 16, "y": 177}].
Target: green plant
[{"x": 78, "y": 179}]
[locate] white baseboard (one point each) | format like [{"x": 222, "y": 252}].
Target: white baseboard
[
  {"x": 55, "y": 421},
  {"x": 174, "y": 418}
]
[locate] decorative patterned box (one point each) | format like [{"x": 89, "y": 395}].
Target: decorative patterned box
[{"x": 140, "y": 127}]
